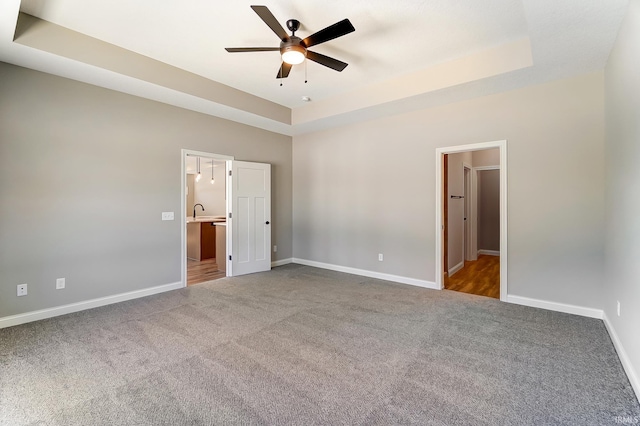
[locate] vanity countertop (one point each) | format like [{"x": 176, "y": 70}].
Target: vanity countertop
[{"x": 190, "y": 219}]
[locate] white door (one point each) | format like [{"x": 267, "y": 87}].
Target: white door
[{"x": 250, "y": 217}]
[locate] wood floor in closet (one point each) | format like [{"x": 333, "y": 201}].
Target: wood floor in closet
[{"x": 481, "y": 277}]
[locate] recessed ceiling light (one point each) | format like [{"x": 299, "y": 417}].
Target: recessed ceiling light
[{"x": 306, "y": 99}]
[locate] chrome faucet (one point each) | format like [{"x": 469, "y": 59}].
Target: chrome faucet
[{"x": 194, "y": 209}]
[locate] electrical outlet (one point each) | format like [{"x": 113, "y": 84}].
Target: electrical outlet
[
  {"x": 380, "y": 257},
  {"x": 167, "y": 215},
  {"x": 275, "y": 249},
  {"x": 618, "y": 308},
  {"x": 60, "y": 283},
  {"x": 22, "y": 289}
]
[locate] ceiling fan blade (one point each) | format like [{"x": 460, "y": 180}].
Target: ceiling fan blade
[
  {"x": 265, "y": 14},
  {"x": 326, "y": 61},
  {"x": 284, "y": 70},
  {"x": 332, "y": 31},
  {"x": 251, "y": 49}
]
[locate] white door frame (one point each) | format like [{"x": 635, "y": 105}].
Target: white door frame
[
  {"x": 183, "y": 204},
  {"x": 467, "y": 246},
  {"x": 440, "y": 152},
  {"x": 467, "y": 253}
]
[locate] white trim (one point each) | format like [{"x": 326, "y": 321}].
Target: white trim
[
  {"x": 503, "y": 221},
  {"x": 555, "y": 306},
  {"x": 624, "y": 358},
  {"x": 456, "y": 268},
  {"x": 183, "y": 206},
  {"x": 87, "y": 304},
  {"x": 370, "y": 274},
  {"x": 281, "y": 262},
  {"x": 489, "y": 252},
  {"x": 228, "y": 165},
  {"x": 502, "y": 145},
  {"x": 481, "y": 168},
  {"x": 467, "y": 246}
]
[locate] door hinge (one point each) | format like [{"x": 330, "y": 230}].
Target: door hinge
[
  {"x": 229, "y": 257},
  {"x": 229, "y": 172},
  {"x": 229, "y": 215}
]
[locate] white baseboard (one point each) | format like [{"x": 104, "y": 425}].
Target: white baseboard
[
  {"x": 624, "y": 358},
  {"x": 489, "y": 252},
  {"x": 370, "y": 274},
  {"x": 555, "y": 306},
  {"x": 456, "y": 268},
  {"x": 281, "y": 262},
  {"x": 87, "y": 304}
]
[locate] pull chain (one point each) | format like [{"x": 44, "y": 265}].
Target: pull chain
[{"x": 305, "y": 71}]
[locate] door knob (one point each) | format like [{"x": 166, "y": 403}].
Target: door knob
[{"x": 267, "y": 222}]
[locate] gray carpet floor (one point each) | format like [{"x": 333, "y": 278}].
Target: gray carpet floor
[{"x": 305, "y": 346}]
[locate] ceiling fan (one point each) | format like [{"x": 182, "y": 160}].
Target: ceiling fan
[{"x": 293, "y": 49}]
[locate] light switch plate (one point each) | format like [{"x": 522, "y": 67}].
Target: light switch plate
[
  {"x": 60, "y": 283},
  {"x": 167, "y": 215}
]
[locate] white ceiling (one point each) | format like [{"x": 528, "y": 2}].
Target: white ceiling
[{"x": 394, "y": 42}]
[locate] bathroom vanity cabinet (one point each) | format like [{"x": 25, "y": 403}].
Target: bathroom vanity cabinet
[{"x": 201, "y": 239}]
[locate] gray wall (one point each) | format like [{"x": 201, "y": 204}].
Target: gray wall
[
  {"x": 622, "y": 273},
  {"x": 369, "y": 188},
  {"x": 486, "y": 157},
  {"x": 69, "y": 153},
  {"x": 489, "y": 210}
]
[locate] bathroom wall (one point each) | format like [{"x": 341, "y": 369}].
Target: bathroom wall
[
  {"x": 190, "y": 190},
  {"x": 211, "y": 196}
]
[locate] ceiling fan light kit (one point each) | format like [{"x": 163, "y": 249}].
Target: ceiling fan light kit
[
  {"x": 293, "y": 54},
  {"x": 293, "y": 49}
]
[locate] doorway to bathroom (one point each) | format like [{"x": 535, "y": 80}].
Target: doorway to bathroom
[
  {"x": 226, "y": 217},
  {"x": 205, "y": 210},
  {"x": 471, "y": 222}
]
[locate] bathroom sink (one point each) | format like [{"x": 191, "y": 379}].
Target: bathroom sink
[{"x": 206, "y": 219}]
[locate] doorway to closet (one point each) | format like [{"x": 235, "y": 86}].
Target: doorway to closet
[{"x": 471, "y": 219}]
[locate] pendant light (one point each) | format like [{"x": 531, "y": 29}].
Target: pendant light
[
  {"x": 212, "y": 172},
  {"x": 199, "y": 175}
]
